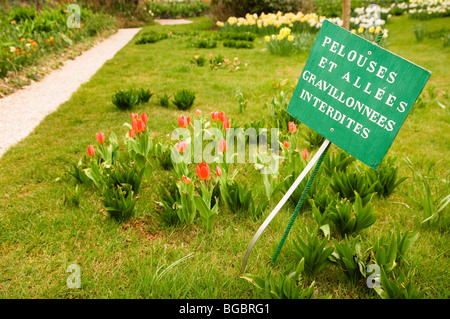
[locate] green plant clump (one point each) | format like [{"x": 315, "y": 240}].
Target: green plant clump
[{"x": 184, "y": 99}]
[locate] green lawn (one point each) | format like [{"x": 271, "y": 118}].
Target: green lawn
[{"x": 40, "y": 235}]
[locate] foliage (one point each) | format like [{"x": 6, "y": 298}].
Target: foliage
[
  {"x": 174, "y": 9},
  {"x": 385, "y": 177},
  {"x": 163, "y": 100},
  {"x": 282, "y": 43},
  {"x": 169, "y": 197},
  {"x": 313, "y": 138},
  {"x": 238, "y": 44},
  {"x": 184, "y": 99},
  {"x": 242, "y": 102},
  {"x": 240, "y": 200},
  {"x": 151, "y": 37},
  {"x": 26, "y": 37},
  {"x": 125, "y": 99},
  {"x": 313, "y": 252},
  {"x": 433, "y": 205},
  {"x": 237, "y": 36},
  {"x": 285, "y": 286},
  {"x": 280, "y": 118},
  {"x": 401, "y": 287},
  {"x": 144, "y": 96},
  {"x": 348, "y": 184},
  {"x": 338, "y": 161},
  {"x": 203, "y": 43},
  {"x": 349, "y": 219},
  {"x": 120, "y": 203},
  {"x": 350, "y": 259},
  {"x": 199, "y": 60},
  {"x": 222, "y": 9}
]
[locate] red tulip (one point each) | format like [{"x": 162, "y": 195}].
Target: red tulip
[
  {"x": 186, "y": 179},
  {"x": 235, "y": 59},
  {"x": 222, "y": 116},
  {"x": 100, "y": 137},
  {"x": 226, "y": 124},
  {"x": 181, "y": 146},
  {"x": 140, "y": 126},
  {"x": 144, "y": 117},
  {"x": 305, "y": 154},
  {"x": 183, "y": 121},
  {"x": 91, "y": 150},
  {"x": 134, "y": 116},
  {"x": 292, "y": 127},
  {"x": 286, "y": 144},
  {"x": 131, "y": 133},
  {"x": 203, "y": 171},
  {"x": 218, "y": 171},
  {"x": 134, "y": 125},
  {"x": 198, "y": 112},
  {"x": 222, "y": 145},
  {"x": 215, "y": 116}
]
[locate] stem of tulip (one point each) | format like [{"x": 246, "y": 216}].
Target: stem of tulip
[{"x": 286, "y": 196}]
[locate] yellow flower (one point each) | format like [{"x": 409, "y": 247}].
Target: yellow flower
[
  {"x": 372, "y": 29},
  {"x": 378, "y": 29},
  {"x": 280, "y": 37},
  {"x": 361, "y": 30},
  {"x": 353, "y": 31},
  {"x": 284, "y": 32},
  {"x": 267, "y": 38},
  {"x": 291, "y": 38}
]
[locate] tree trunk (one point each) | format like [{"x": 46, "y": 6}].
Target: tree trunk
[
  {"x": 346, "y": 8},
  {"x": 38, "y": 5}
]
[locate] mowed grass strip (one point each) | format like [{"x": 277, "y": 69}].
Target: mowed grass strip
[{"x": 40, "y": 235}]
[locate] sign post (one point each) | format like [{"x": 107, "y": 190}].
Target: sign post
[{"x": 354, "y": 93}]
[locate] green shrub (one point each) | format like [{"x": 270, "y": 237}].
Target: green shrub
[
  {"x": 198, "y": 60},
  {"x": 171, "y": 10},
  {"x": 385, "y": 177},
  {"x": 289, "y": 285},
  {"x": 238, "y": 44},
  {"x": 223, "y": 9},
  {"x": 350, "y": 259},
  {"x": 151, "y": 37},
  {"x": 144, "y": 96},
  {"x": 184, "y": 99},
  {"x": 169, "y": 199},
  {"x": 203, "y": 43},
  {"x": 401, "y": 287},
  {"x": 237, "y": 36},
  {"x": 338, "y": 161},
  {"x": 313, "y": 138},
  {"x": 119, "y": 203},
  {"x": 351, "y": 219},
  {"x": 349, "y": 184},
  {"x": 313, "y": 252},
  {"x": 125, "y": 99},
  {"x": 163, "y": 100},
  {"x": 420, "y": 31},
  {"x": 240, "y": 200}
]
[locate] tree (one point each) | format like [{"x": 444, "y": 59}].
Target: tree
[
  {"x": 38, "y": 5},
  {"x": 346, "y": 9}
]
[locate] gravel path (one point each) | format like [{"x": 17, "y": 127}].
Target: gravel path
[
  {"x": 33, "y": 103},
  {"x": 172, "y": 21}
]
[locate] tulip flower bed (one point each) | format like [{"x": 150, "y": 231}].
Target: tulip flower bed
[
  {"x": 123, "y": 194},
  {"x": 27, "y": 37}
]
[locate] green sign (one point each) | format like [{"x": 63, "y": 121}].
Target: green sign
[{"x": 355, "y": 93}]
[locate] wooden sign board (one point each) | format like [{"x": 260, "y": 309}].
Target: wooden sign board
[{"x": 355, "y": 93}]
